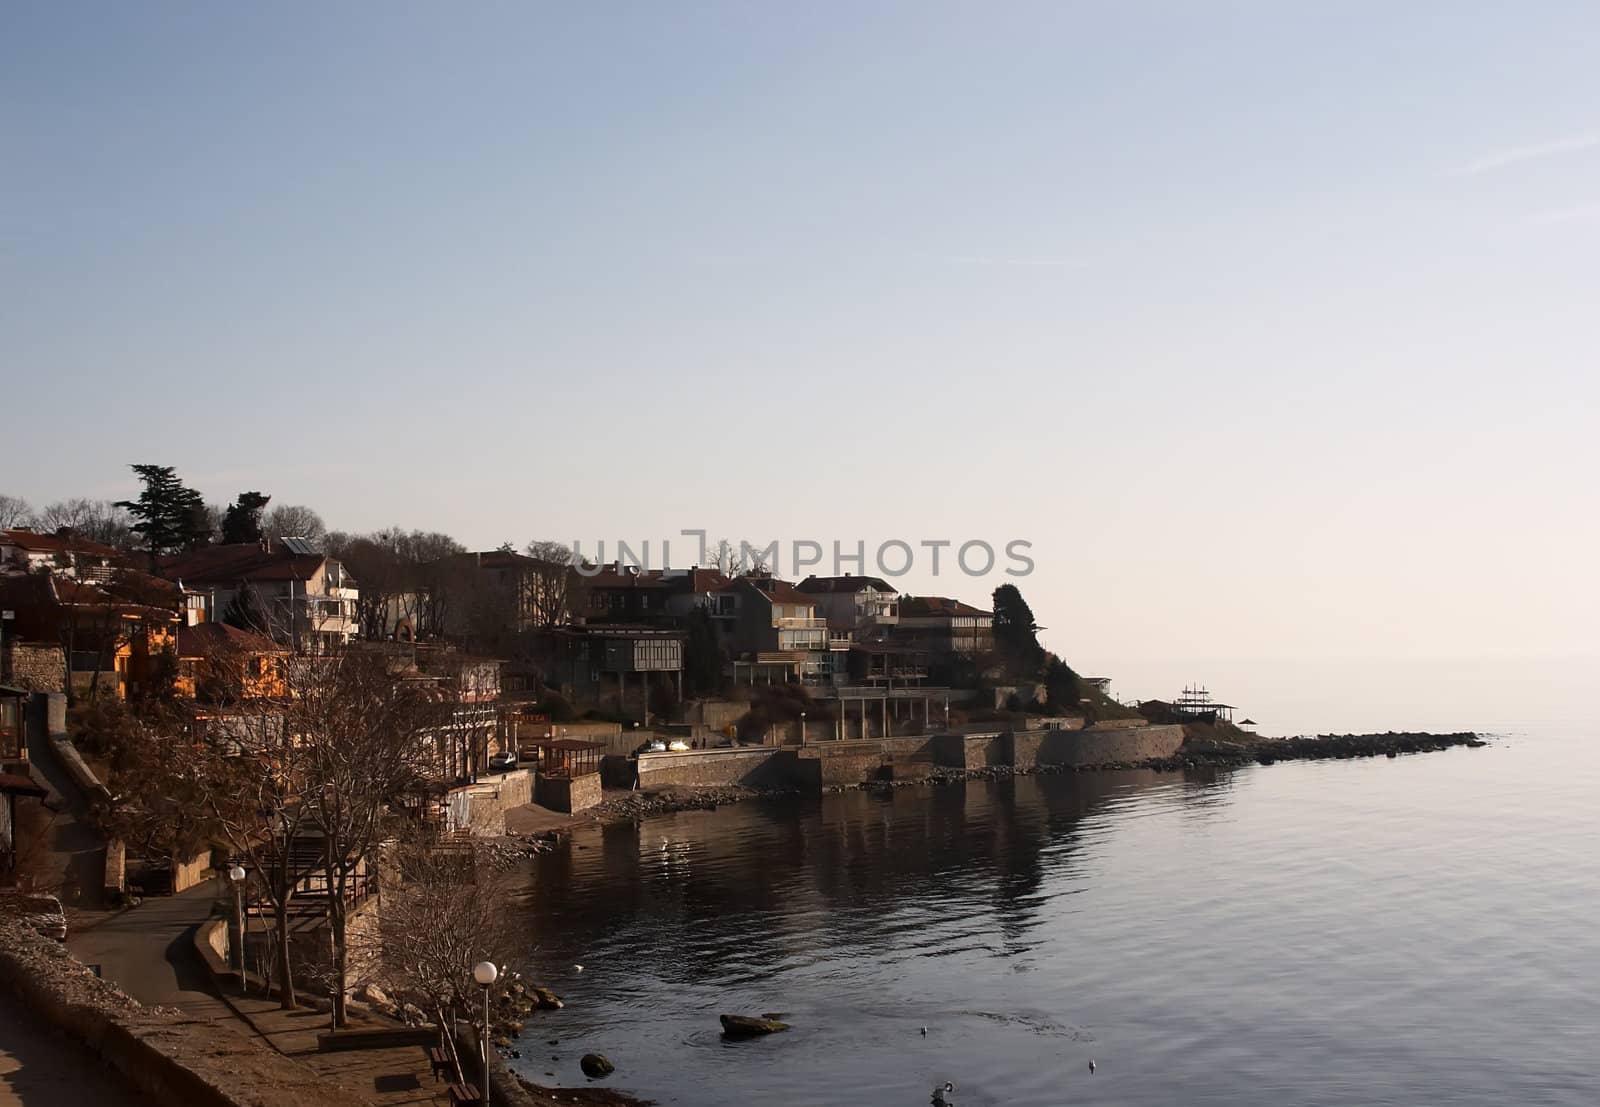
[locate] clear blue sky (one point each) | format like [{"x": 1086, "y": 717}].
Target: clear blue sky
[{"x": 1272, "y": 326}]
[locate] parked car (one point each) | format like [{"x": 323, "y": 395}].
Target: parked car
[
  {"x": 503, "y": 762},
  {"x": 40, "y": 912}
]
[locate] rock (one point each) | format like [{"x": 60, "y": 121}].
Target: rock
[
  {"x": 745, "y": 1026},
  {"x": 596, "y": 1065},
  {"x": 548, "y": 1000}
]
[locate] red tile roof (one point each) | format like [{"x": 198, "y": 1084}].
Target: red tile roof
[
  {"x": 845, "y": 584},
  {"x": 215, "y": 641},
  {"x": 242, "y": 561},
  {"x": 920, "y": 607},
  {"x": 55, "y": 543}
]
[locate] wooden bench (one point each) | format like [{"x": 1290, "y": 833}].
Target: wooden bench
[
  {"x": 464, "y": 1095},
  {"x": 439, "y": 1062}
]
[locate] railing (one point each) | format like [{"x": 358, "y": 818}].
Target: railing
[{"x": 800, "y": 624}]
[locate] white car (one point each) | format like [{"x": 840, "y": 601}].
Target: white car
[{"x": 40, "y": 912}]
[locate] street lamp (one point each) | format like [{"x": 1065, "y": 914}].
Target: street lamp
[
  {"x": 802, "y": 728},
  {"x": 236, "y": 879},
  {"x": 485, "y": 973}
]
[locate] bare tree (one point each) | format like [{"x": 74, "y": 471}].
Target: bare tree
[
  {"x": 14, "y": 512},
  {"x": 358, "y": 731},
  {"x": 97, "y": 520},
  {"x": 293, "y": 521},
  {"x": 551, "y": 583},
  {"x": 253, "y": 779},
  {"x": 444, "y": 914}
]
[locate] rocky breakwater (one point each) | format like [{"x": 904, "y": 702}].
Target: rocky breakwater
[{"x": 1203, "y": 751}]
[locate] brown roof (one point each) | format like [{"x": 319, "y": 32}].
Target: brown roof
[
  {"x": 55, "y": 543},
  {"x": 677, "y": 580},
  {"x": 781, "y": 591},
  {"x": 626, "y": 578},
  {"x": 216, "y": 641},
  {"x": 240, "y": 561},
  {"x": 934, "y": 606},
  {"x": 15, "y": 785},
  {"x": 845, "y": 584}
]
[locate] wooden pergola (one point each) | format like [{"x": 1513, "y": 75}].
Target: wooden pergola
[{"x": 567, "y": 757}]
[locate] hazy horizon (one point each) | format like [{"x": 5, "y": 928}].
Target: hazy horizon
[{"x": 1272, "y": 330}]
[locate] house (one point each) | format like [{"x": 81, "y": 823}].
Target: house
[
  {"x": 773, "y": 631},
  {"x": 305, "y": 597},
  {"x": 854, "y": 605},
  {"x": 218, "y": 662},
  {"x": 506, "y": 593},
  {"x": 116, "y": 637},
  {"x": 945, "y": 626},
  {"x": 887, "y": 665},
  {"x": 614, "y": 662},
  {"x": 632, "y": 596},
  {"x": 625, "y": 595},
  {"x": 62, "y": 554}
]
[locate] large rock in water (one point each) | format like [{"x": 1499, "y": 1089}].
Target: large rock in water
[
  {"x": 745, "y": 1026},
  {"x": 596, "y": 1064},
  {"x": 548, "y": 1000}
]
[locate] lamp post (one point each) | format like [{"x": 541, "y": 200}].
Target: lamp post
[
  {"x": 485, "y": 973},
  {"x": 802, "y": 728},
  {"x": 236, "y": 878}
]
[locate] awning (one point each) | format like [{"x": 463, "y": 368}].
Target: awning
[{"x": 14, "y": 785}]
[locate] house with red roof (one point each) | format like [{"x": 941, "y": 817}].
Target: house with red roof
[{"x": 306, "y": 598}]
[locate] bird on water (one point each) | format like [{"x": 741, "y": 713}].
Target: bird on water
[
  {"x": 944, "y": 1096},
  {"x": 1091, "y": 1068}
]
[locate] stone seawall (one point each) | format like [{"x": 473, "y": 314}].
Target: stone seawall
[
  {"x": 1094, "y": 746},
  {"x": 842, "y": 764},
  {"x": 754, "y": 767}
]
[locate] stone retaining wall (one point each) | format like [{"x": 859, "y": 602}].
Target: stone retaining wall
[
  {"x": 568, "y": 794},
  {"x": 755, "y": 767},
  {"x": 1093, "y": 746},
  {"x": 834, "y": 764},
  {"x": 34, "y": 666}
]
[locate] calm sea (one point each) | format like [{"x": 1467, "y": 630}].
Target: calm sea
[{"x": 1414, "y": 931}]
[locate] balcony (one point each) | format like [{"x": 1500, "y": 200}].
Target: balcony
[{"x": 800, "y": 624}]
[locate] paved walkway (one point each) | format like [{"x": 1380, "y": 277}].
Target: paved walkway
[
  {"x": 148, "y": 952},
  {"x": 40, "y": 1068},
  {"x": 397, "y": 1076}
]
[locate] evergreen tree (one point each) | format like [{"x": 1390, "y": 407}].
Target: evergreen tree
[
  {"x": 242, "y": 522},
  {"x": 244, "y": 611},
  {"x": 171, "y": 517},
  {"x": 1016, "y": 635},
  {"x": 1062, "y": 687},
  {"x": 702, "y": 657}
]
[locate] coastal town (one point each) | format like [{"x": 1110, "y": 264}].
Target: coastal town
[{"x": 308, "y": 758}]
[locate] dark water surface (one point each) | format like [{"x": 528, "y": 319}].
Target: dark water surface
[{"x": 1415, "y": 931}]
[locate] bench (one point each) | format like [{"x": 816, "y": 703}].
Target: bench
[
  {"x": 438, "y": 1062},
  {"x": 464, "y": 1095}
]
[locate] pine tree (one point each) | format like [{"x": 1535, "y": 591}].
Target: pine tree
[
  {"x": 702, "y": 658},
  {"x": 1016, "y": 635},
  {"x": 242, "y": 522},
  {"x": 244, "y": 612},
  {"x": 1062, "y": 687},
  {"x": 171, "y": 517}
]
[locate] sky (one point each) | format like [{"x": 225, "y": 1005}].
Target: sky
[{"x": 1271, "y": 326}]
